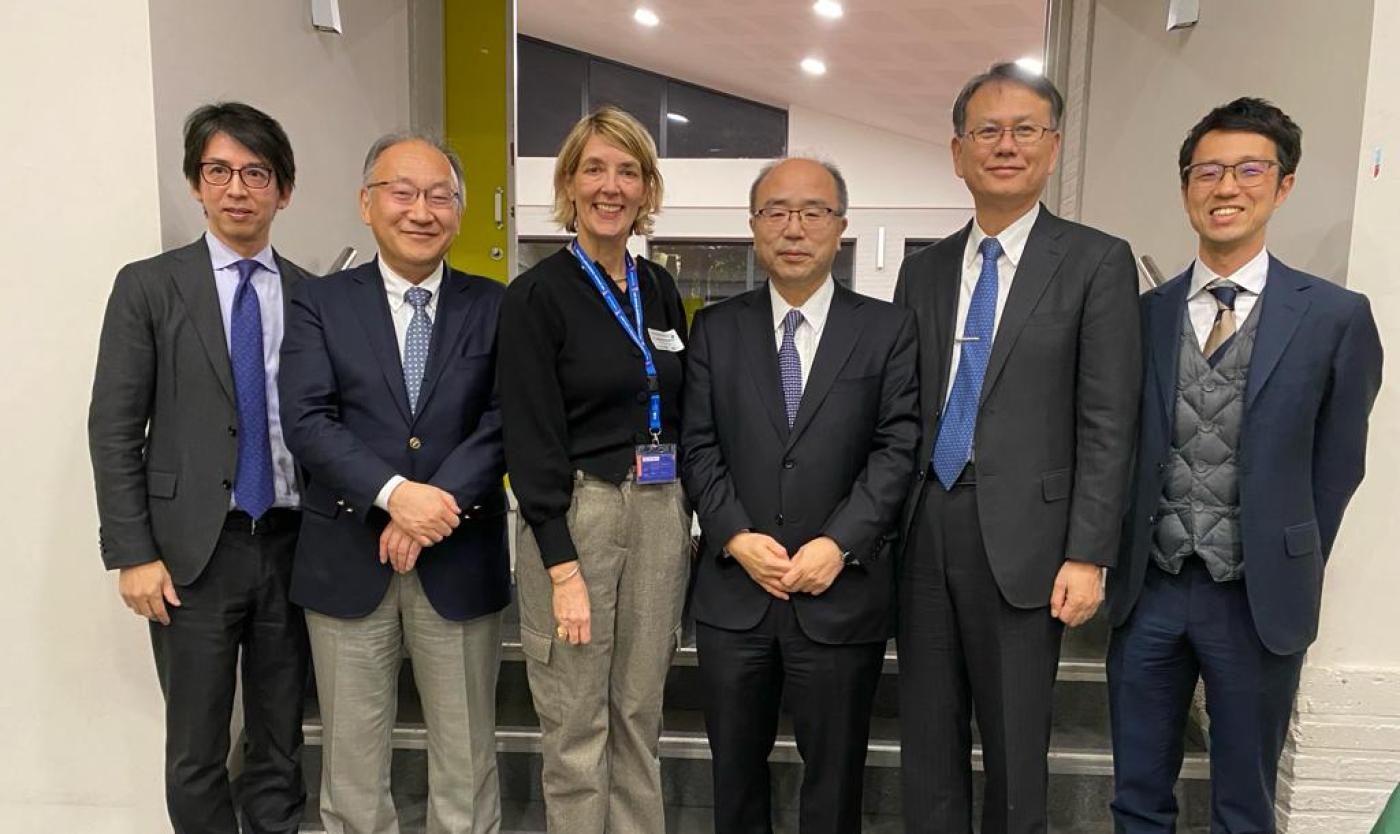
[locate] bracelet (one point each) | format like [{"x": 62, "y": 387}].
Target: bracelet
[{"x": 570, "y": 575}]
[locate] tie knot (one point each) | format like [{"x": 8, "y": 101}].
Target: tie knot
[
  {"x": 990, "y": 249},
  {"x": 792, "y": 321},
  {"x": 1224, "y": 293},
  {"x": 246, "y": 268},
  {"x": 418, "y": 297}
]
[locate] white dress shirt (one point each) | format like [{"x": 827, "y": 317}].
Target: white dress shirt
[
  {"x": 1200, "y": 304},
  {"x": 401, "y": 312},
  {"x": 808, "y": 334},
  {"x": 1013, "y": 243},
  {"x": 267, "y": 283}
]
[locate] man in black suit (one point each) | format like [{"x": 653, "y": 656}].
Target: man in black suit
[
  {"x": 388, "y": 397},
  {"x": 799, "y": 431},
  {"x": 1258, "y": 383},
  {"x": 196, "y": 492},
  {"x": 1029, "y": 379}
]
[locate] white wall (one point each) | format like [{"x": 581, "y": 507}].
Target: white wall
[
  {"x": 334, "y": 95},
  {"x": 80, "y": 717}
]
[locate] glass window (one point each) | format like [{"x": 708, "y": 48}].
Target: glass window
[
  {"x": 531, "y": 250},
  {"x": 914, "y": 244},
  {"x": 551, "y": 95},
  {"x": 707, "y": 271},
  {"x": 701, "y": 123},
  {"x": 637, "y": 92}
]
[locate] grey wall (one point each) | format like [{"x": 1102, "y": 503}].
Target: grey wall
[
  {"x": 334, "y": 94},
  {"x": 1148, "y": 86}
]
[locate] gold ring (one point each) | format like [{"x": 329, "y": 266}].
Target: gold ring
[{"x": 561, "y": 631}]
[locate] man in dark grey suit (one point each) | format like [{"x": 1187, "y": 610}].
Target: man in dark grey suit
[
  {"x": 1029, "y": 381},
  {"x": 196, "y": 492}
]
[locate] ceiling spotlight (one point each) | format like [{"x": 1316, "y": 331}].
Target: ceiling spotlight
[
  {"x": 678, "y": 118},
  {"x": 1031, "y": 64},
  {"x": 828, "y": 8},
  {"x": 813, "y": 66},
  {"x": 646, "y": 17}
]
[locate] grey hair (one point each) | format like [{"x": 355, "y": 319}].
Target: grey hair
[
  {"x": 389, "y": 140},
  {"x": 842, "y": 200}
]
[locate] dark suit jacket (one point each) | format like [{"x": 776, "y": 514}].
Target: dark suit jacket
[
  {"x": 841, "y": 471},
  {"x": 1054, "y": 438},
  {"x": 1313, "y": 376},
  {"x": 161, "y": 427},
  {"x": 346, "y": 418}
]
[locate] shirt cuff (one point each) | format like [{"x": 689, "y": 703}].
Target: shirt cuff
[{"x": 382, "y": 499}]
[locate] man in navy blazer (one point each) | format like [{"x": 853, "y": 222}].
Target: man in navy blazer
[
  {"x": 388, "y": 401},
  {"x": 1258, "y": 382}
]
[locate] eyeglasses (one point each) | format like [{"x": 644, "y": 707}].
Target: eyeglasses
[
  {"x": 406, "y": 194},
  {"x": 1027, "y": 134},
  {"x": 219, "y": 173},
  {"x": 811, "y": 217},
  {"x": 1248, "y": 173}
]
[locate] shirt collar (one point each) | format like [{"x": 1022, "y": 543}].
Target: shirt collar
[
  {"x": 1251, "y": 277},
  {"x": 396, "y": 285},
  {"x": 1012, "y": 239},
  {"x": 222, "y": 257},
  {"x": 813, "y": 311}
]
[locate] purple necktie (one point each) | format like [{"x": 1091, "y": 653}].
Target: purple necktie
[
  {"x": 252, "y": 486},
  {"x": 790, "y": 365}
]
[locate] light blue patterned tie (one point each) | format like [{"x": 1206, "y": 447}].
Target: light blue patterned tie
[
  {"x": 253, "y": 491},
  {"x": 415, "y": 344},
  {"x": 954, "y": 446},
  {"x": 790, "y": 365}
]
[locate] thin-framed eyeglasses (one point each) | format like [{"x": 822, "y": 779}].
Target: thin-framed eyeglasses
[
  {"x": 1022, "y": 134},
  {"x": 811, "y": 217},
  {"x": 221, "y": 173},
  {"x": 1249, "y": 172},
  {"x": 403, "y": 193}
]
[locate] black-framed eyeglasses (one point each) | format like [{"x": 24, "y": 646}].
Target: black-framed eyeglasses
[
  {"x": 811, "y": 217},
  {"x": 404, "y": 193},
  {"x": 221, "y": 173},
  {"x": 1023, "y": 134},
  {"x": 1249, "y": 172}
]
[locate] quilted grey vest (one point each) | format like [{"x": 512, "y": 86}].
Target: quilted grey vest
[{"x": 1200, "y": 506}]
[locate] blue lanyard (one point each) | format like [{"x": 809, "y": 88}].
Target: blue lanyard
[{"x": 633, "y": 330}]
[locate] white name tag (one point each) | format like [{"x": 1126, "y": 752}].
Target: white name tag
[{"x": 667, "y": 340}]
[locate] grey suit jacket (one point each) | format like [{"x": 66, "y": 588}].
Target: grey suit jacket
[
  {"x": 1058, "y": 413},
  {"x": 162, "y": 423}
]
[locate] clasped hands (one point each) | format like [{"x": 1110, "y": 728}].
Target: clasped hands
[
  {"x": 810, "y": 570},
  {"x": 420, "y": 515}
]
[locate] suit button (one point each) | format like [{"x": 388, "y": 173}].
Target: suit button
[
  {"x": 1161, "y": 467},
  {"x": 788, "y": 464},
  {"x": 226, "y": 484},
  {"x": 415, "y": 444},
  {"x": 923, "y": 473},
  {"x": 778, "y": 519},
  {"x": 1152, "y": 519},
  {"x": 232, "y": 431},
  {"x": 340, "y": 502}
]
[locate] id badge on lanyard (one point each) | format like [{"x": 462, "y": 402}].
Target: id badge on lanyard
[{"x": 655, "y": 461}]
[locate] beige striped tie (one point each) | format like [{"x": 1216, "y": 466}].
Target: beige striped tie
[{"x": 1224, "y": 326}]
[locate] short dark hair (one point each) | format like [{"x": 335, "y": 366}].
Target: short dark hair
[
  {"x": 1007, "y": 72},
  {"x": 249, "y": 127},
  {"x": 1248, "y": 115},
  {"x": 842, "y": 198}
]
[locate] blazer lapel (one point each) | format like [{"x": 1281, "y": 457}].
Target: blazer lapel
[
  {"x": 947, "y": 282},
  {"x": 453, "y": 304},
  {"x": 1039, "y": 262},
  {"x": 372, "y": 308},
  {"x": 756, "y": 334},
  {"x": 838, "y": 339},
  {"x": 1281, "y": 309},
  {"x": 1167, "y": 305},
  {"x": 194, "y": 281}
]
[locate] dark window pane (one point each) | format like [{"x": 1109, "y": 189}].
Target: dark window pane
[
  {"x": 551, "y": 96},
  {"x": 637, "y": 92},
  {"x": 717, "y": 125},
  {"x": 843, "y": 269},
  {"x": 914, "y": 244},
  {"x": 530, "y": 251}
]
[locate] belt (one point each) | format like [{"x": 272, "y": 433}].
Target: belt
[{"x": 275, "y": 520}]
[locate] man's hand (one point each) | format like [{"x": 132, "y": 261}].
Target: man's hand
[
  {"x": 763, "y": 559},
  {"x": 146, "y": 589},
  {"x": 572, "y": 614},
  {"x": 398, "y": 548},
  {"x": 427, "y": 513},
  {"x": 1077, "y": 594},
  {"x": 814, "y": 568}
]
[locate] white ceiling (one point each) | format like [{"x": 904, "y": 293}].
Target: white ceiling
[{"x": 894, "y": 64}]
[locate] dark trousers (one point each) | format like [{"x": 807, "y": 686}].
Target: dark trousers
[
  {"x": 1182, "y": 627},
  {"x": 239, "y": 603},
  {"x": 829, "y": 692},
  {"x": 963, "y": 648}
]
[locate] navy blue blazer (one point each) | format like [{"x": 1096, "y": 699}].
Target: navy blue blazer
[
  {"x": 346, "y": 418},
  {"x": 1314, "y": 374}
]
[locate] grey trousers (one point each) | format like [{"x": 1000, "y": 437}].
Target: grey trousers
[
  {"x": 600, "y": 704},
  {"x": 455, "y": 665}
]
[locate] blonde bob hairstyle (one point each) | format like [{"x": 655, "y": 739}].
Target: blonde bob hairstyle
[{"x": 619, "y": 128}]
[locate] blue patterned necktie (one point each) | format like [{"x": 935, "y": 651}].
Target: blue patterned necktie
[
  {"x": 953, "y": 448},
  {"x": 790, "y": 365},
  {"x": 252, "y": 486},
  {"x": 415, "y": 344}
]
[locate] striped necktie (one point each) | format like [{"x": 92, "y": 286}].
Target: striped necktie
[{"x": 1222, "y": 332}]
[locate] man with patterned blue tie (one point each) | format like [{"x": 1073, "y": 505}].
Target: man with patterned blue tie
[
  {"x": 1029, "y": 380},
  {"x": 388, "y": 396},
  {"x": 196, "y": 492}
]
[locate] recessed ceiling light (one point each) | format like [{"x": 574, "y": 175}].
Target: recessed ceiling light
[
  {"x": 678, "y": 118},
  {"x": 813, "y": 66},
  {"x": 1031, "y": 64},
  {"x": 828, "y": 8},
  {"x": 646, "y": 17}
]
